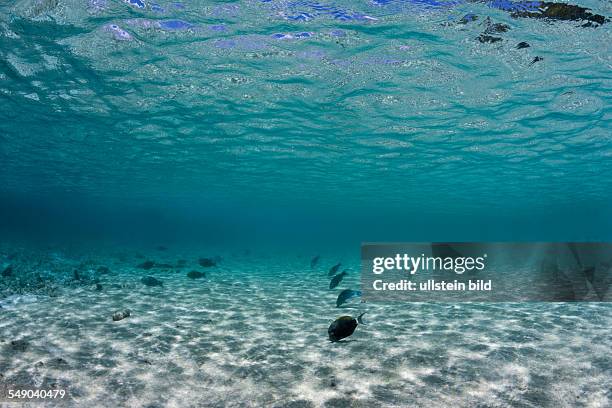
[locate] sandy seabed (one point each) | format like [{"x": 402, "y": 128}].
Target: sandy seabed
[{"x": 254, "y": 333}]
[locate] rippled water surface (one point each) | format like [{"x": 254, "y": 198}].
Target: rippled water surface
[
  {"x": 315, "y": 124},
  {"x": 402, "y": 102}
]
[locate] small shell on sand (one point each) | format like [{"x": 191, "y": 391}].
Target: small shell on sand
[{"x": 120, "y": 315}]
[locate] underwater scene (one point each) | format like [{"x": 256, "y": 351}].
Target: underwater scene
[{"x": 185, "y": 188}]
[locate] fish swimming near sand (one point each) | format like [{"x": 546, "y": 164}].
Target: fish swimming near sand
[
  {"x": 346, "y": 295},
  {"x": 195, "y": 274},
  {"x": 343, "y": 327},
  {"x": 207, "y": 262},
  {"x": 151, "y": 281},
  {"x": 147, "y": 265},
  {"x": 164, "y": 265},
  {"x": 334, "y": 269},
  {"x": 7, "y": 272},
  {"x": 337, "y": 279},
  {"x": 314, "y": 261}
]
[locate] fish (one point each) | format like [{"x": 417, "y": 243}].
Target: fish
[
  {"x": 522, "y": 44},
  {"x": 314, "y": 261},
  {"x": 207, "y": 262},
  {"x": 163, "y": 265},
  {"x": 334, "y": 269},
  {"x": 151, "y": 281},
  {"x": 343, "y": 327},
  {"x": 196, "y": 275},
  {"x": 536, "y": 59},
  {"x": 103, "y": 270},
  {"x": 337, "y": 279},
  {"x": 346, "y": 295},
  {"x": 8, "y": 271},
  {"x": 147, "y": 265}
]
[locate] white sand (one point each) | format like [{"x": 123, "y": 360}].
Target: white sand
[{"x": 254, "y": 333}]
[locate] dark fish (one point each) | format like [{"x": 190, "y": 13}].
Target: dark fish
[
  {"x": 207, "y": 262},
  {"x": 334, "y": 269},
  {"x": 151, "y": 281},
  {"x": 522, "y": 45},
  {"x": 343, "y": 327},
  {"x": 8, "y": 271},
  {"x": 337, "y": 279},
  {"x": 181, "y": 263},
  {"x": 147, "y": 265},
  {"x": 103, "y": 270},
  {"x": 314, "y": 261},
  {"x": 161, "y": 248},
  {"x": 496, "y": 28},
  {"x": 196, "y": 274},
  {"x": 536, "y": 59},
  {"x": 346, "y": 295},
  {"x": 98, "y": 286},
  {"x": 163, "y": 265},
  {"x": 76, "y": 275}
]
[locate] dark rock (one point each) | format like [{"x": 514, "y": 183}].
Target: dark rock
[
  {"x": 19, "y": 345},
  {"x": 120, "y": 315},
  {"x": 151, "y": 281},
  {"x": 8, "y": 271},
  {"x": 483, "y": 38},
  {"x": 196, "y": 274},
  {"x": 496, "y": 28},
  {"x": 147, "y": 265},
  {"x": 522, "y": 45},
  {"x": 58, "y": 363},
  {"x": 98, "y": 286},
  {"x": 207, "y": 262},
  {"x": 468, "y": 18},
  {"x": 562, "y": 11}
]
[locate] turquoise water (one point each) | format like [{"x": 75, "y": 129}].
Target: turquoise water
[
  {"x": 263, "y": 133},
  {"x": 383, "y": 111}
]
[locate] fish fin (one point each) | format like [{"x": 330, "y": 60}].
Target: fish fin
[{"x": 359, "y": 319}]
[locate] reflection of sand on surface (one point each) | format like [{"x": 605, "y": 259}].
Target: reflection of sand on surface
[{"x": 255, "y": 334}]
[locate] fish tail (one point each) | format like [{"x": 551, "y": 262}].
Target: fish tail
[{"x": 359, "y": 319}]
